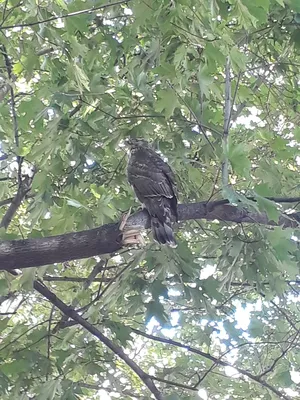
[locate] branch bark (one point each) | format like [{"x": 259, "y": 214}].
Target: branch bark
[
  {"x": 107, "y": 239},
  {"x": 71, "y": 313},
  {"x": 23, "y": 189}
]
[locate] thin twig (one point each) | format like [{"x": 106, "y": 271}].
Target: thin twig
[
  {"x": 280, "y": 357},
  {"x": 116, "y": 170},
  {"x": 100, "y": 266},
  {"x": 43, "y": 52},
  {"x": 9, "y": 12},
  {"x": 171, "y": 383},
  {"x": 49, "y": 337},
  {"x": 241, "y": 106},
  {"x": 227, "y": 110},
  {"x": 13, "y": 109},
  {"x": 72, "y": 14},
  {"x": 75, "y": 110},
  {"x": 4, "y": 11},
  {"x": 50, "y": 278},
  {"x": 235, "y": 93},
  {"x": 99, "y": 295},
  {"x": 86, "y": 284},
  {"x": 16, "y": 202},
  {"x": 6, "y": 201},
  {"x": 193, "y": 114},
  {"x": 213, "y": 359}
]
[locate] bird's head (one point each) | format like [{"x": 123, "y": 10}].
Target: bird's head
[{"x": 136, "y": 143}]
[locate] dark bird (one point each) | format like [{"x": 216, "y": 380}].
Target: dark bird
[{"x": 154, "y": 184}]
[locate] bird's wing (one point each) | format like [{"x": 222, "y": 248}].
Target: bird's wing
[
  {"x": 149, "y": 181},
  {"x": 150, "y": 175},
  {"x": 166, "y": 169}
]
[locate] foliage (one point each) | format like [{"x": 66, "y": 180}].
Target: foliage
[{"x": 73, "y": 86}]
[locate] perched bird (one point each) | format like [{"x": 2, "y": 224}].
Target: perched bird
[{"x": 154, "y": 184}]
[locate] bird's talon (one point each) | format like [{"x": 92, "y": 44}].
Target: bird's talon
[
  {"x": 124, "y": 219},
  {"x": 133, "y": 236}
]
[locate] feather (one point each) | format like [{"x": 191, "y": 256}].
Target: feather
[{"x": 154, "y": 184}]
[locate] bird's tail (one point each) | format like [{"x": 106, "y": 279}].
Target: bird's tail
[{"x": 163, "y": 232}]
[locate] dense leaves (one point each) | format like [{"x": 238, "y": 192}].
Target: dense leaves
[{"x": 216, "y": 318}]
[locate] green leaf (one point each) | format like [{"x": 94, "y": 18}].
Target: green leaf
[
  {"x": 3, "y": 323},
  {"x": 295, "y": 38},
  {"x": 172, "y": 396},
  {"x": 121, "y": 331},
  {"x": 62, "y": 4},
  {"x": 296, "y": 133},
  {"x": 214, "y": 54},
  {"x": 180, "y": 55},
  {"x": 244, "y": 14},
  {"x": 239, "y": 158},
  {"x": 205, "y": 80},
  {"x": 4, "y": 287},
  {"x": 75, "y": 203},
  {"x": 27, "y": 278},
  {"x": 269, "y": 207},
  {"x": 81, "y": 78},
  {"x": 158, "y": 289},
  {"x": 155, "y": 309},
  {"x": 48, "y": 390},
  {"x": 256, "y": 328},
  {"x": 167, "y": 102},
  {"x": 284, "y": 379},
  {"x": 23, "y": 151},
  {"x": 211, "y": 285},
  {"x": 238, "y": 59},
  {"x": 294, "y": 4},
  {"x": 282, "y": 242},
  {"x": 14, "y": 367}
]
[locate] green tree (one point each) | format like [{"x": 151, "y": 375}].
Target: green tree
[{"x": 214, "y": 85}]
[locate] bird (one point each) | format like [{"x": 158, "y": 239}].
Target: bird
[{"x": 154, "y": 184}]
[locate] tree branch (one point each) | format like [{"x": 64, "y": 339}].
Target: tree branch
[
  {"x": 214, "y": 360},
  {"x": 23, "y": 189},
  {"x": 86, "y": 284},
  {"x": 23, "y": 184},
  {"x": 50, "y": 278},
  {"x": 110, "y": 389},
  {"x": 227, "y": 112},
  {"x": 13, "y": 109},
  {"x": 72, "y": 14},
  {"x": 45, "y": 51},
  {"x": 171, "y": 383},
  {"x": 5, "y": 202},
  {"x": 71, "y": 313},
  {"x": 107, "y": 239}
]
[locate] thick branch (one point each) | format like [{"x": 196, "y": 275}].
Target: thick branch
[
  {"x": 71, "y": 313},
  {"x": 107, "y": 239}
]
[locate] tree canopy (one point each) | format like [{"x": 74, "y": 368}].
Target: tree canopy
[{"x": 214, "y": 86}]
